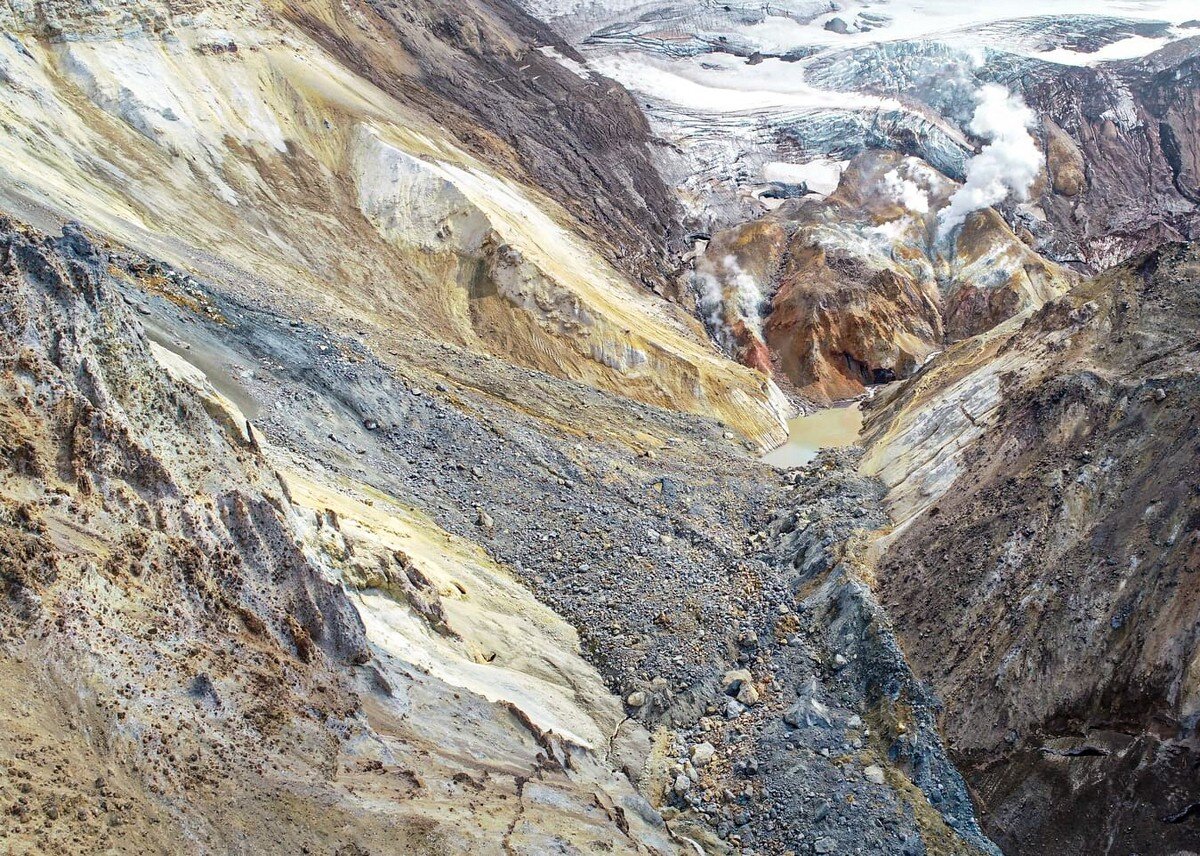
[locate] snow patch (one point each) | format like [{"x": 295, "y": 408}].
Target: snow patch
[
  {"x": 578, "y": 69},
  {"x": 820, "y": 176},
  {"x": 725, "y": 84},
  {"x": 1130, "y": 48}
]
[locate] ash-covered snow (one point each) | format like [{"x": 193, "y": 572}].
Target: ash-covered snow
[{"x": 734, "y": 87}]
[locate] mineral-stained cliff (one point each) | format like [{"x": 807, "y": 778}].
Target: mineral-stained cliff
[
  {"x": 314, "y": 155},
  {"x": 838, "y": 293},
  {"x": 1045, "y": 477}
]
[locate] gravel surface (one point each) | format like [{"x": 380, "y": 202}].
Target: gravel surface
[{"x": 721, "y": 598}]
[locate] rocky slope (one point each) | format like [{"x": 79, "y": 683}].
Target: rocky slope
[
  {"x": 314, "y": 626},
  {"x": 1058, "y": 522},
  {"x": 278, "y": 472},
  {"x": 1024, "y": 466}
]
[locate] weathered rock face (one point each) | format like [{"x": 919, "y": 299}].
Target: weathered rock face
[
  {"x": 309, "y": 145},
  {"x": 992, "y": 275},
  {"x": 1121, "y": 153},
  {"x": 1064, "y": 161},
  {"x": 148, "y": 566},
  {"x": 493, "y": 76},
  {"x": 857, "y": 289},
  {"x": 1062, "y": 532},
  {"x": 89, "y": 418},
  {"x": 839, "y": 325}
]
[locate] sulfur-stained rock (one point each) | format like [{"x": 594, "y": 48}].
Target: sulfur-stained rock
[{"x": 859, "y": 289}]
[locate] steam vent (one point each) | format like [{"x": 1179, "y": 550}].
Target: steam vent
[{"x": 593, "y": 427}]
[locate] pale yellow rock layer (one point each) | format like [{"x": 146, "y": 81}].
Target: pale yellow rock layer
[{"x": 247, "y": 166}]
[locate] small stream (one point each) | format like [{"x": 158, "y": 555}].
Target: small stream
[{"x": 830, "y": 428}]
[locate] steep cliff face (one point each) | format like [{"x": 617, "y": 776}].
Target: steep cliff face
[
  {"x": 1058, "y": 522},
  {"x": 840, "y": 325},
  {"x": 1121, "y": 151},
  {"x": 515, "y": 94}
]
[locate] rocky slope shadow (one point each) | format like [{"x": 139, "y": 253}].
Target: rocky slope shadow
[{"x": 1046, "y": 477}]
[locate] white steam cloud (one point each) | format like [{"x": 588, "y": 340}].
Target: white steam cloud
[
  {"x": 906, "y": 192},
  {"x": 726, "y": 283},
  {"x": 749, "y": 295},
  {"x": 1009, "y": 163}
]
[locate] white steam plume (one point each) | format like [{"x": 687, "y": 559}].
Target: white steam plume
[
  {"x": 727, "y": 283},
  {"x": 906, "y": 192},
  {"x": 749, "y": 296},
  {"x": 1009, "y": 163}
]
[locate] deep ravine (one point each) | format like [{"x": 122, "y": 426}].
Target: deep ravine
[{"x": 384, "y": 397}]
